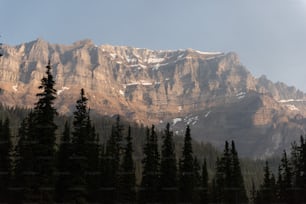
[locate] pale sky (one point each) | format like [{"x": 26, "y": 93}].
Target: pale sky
[{"x": 268, "y": 35}]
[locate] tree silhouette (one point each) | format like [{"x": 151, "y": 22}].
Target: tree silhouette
[
  {"x": 110, "y": 164},
  {"x": 168, "y": 169},
  {"x": 79, "y": 160},
  {"x": 5, "y": 160},
  {"x": 150, "y": 183},
  {"x": 127, "y": 178},
  {"x": 204, "y": 192},
  {"x": 237, "y": 182},
  {"x": 63, "y": 166},
  {"x": 37, "y": 146},
  {"x": 267, "y": 190},
  {"x": 186, "y": 170}
]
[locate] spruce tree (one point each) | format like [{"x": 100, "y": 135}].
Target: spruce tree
[
  {"x": 298, "y": 158},
  {"x": 45, "y": 127},
  {"x": 285, "y": 180},
  {"x": 168, "y": 168},
  {"x": 92, "y": 171},
  {"x": 79, "y": 161},
  {"x": 229, "y": 181},
  {"x": 267, "y": 191},
  {"x": 218, "y": 182},
  {"x": 197, "y": 181},
  {"x": 150, "y": 183},
  {"x": 186, "y": 170},
  {"x": 25, "y": 182},
  {"x": 226, "y": 162},
  {"x": 111, "y": 163},
  {"x": 5, "y": 161},
  {"x": 237, "y": 184},
  {"x": 253, "y": 193},
  {"x": 35, "y": 153},
  {"x": 63, "y": 166},
  {"x": 127, "y": 178},
  {"x": 204, "y": 192}
]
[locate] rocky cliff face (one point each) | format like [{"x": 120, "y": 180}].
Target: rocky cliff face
[{"x": 212, "y": 92}]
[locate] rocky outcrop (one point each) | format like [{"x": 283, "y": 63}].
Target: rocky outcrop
[{"x": 149, "y": 86}]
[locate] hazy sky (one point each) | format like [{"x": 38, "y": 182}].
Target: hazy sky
[{"x": 268, "y": 35}]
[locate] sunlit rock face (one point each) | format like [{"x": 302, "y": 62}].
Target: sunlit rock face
[{"x": 211, "y": 91}]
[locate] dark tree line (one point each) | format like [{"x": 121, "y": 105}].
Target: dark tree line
[
  {"x": 228, "y": 183},
  {"x": 289, "y": 186},
  {"x": 81, "y": 169}
]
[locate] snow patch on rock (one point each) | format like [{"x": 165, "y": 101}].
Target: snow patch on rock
[
  {"x": 121, "y": 92},
  {"x": 292, "y": 107},
  {"x": 207, "y": 114},
  {"x": 61, "y": 90},
  {"x": 176, "y": 120},
  {"x": 191, "y": 120},
  {"x": 241, "y": 95},
  {"x": 15, "y": 88}
]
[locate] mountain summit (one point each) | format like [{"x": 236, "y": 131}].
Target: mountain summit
[{"x": 211, "y": 91}]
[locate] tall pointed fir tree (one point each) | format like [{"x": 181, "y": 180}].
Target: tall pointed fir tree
[
  {"x": 197, "y": 181},
  {"x": 41, "y": 139},
  {"x": 186, "y": 170},
  {"x": 285, "y": 181},
  {"x": 5, "y": 161},
  {"x": 229, "y": 181},
  {"x": 238, "y": 193},
  {"x": 223, "y": 176},
  {"x": 218, "y": 183},
  {"x": 45, "y": 128},
  {"x": 63, "y": 166},
  {"x": 150, "y": 183},
  {"x": 168, "y": 169},
  {"x": 127, "y": 177},
  {"x": 25, "y": 182},
  {"x": 92, "y": 154},
  {"x": 298, "y": 158},
  {"x": 79, "y": 161},
  {"x": 227, "y": 171},
  {"x": 111, "y": 163},
  {"x": 253, "y": 193},
  {"x": 266, "y": 193},
  {"x": 204, "y": 192}
]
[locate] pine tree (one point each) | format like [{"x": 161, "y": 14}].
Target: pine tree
[
  {"x": 150, "y": 183},
  {"x": 79, "y": 161},
  {"x": 127, "y": 178},
  {"x": 218, "y": 183},
  {"x": 186, "y": 170},
  {"x": 5, "y": 160},
  {"x": 35, "y": 161},
  {"x": 25, "y": 181},
  {"x": 267, "y": 190},
  {"x": 285, "y": 180},
  {"x": 273, "y": 188},
  {"x": 204, "y": 193},
  {"x": 168, "y": 168},
  {"x": 197, "y": 181},
  {"x": 229, "y": 181},
  {"x": 111, "y": 163},
  {"x": 45, "y": 136},
  {"x": 92, "y": 172},
  {"x": 253, "y": 193},
  {"x": 298, "y": 155},
  {"x": 237, "y": 185},
  {"x": 226, "y": 162},
  {"x": 63, "y": 166}
]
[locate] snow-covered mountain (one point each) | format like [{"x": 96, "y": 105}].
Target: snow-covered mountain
[{"x": 211, "y": 91}]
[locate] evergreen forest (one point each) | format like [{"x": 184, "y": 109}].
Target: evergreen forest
[{"x": 46, "y": 157}]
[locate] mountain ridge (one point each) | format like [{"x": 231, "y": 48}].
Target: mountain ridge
[{"x": 150, "y": 86}]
